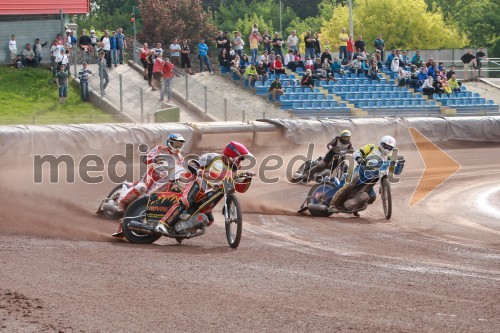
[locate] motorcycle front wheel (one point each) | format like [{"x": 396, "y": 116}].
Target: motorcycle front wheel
[
  {"x": 138, "y": 208},
  {"x": 234, "y": 223},
  {"x": 317, "y": 195},
  {"x": 115, "y": 192},
  {"x": 302, "y": 169},
  {"x": 385, "y": 193}
]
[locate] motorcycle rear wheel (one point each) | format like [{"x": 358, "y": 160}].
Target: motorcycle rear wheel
[
  {"x": 234, "y": 226},
  {"x": 113, "y": 215},
  {"x": 316, "y": 195},
  {"x": 385, "y": 193},
  {"x": 137, "y": 208}
]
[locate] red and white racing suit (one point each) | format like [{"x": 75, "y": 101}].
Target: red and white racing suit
[{"x": 149, "y": 179}]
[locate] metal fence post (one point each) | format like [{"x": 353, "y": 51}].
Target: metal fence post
[
  {"x": 206, "y": 101},
  {"x": 225, "y": 109},
  {"x": 142, "y": 105},
  {"x": 121, "y": 93},
  {"x": 187, "y": 92}
]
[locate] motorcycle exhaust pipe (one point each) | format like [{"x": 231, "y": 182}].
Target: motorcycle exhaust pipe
[
  {"x": 110, "y": 206},
  {"x": 317, "y": 208},
  {"x": 139, "y": 226}
]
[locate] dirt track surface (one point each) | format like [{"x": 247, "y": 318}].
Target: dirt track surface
[{"x": 431, "y": 268}]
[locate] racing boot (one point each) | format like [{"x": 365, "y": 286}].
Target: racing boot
[
  {"x": 339, "y": 198},
  {"x": 167, "y": 222},
  {"x": 317, "y": 168},
  {"x": 119, "y": 232}
]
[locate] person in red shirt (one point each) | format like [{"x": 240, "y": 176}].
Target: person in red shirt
[
  {"x": 166, "y": 80},
  {"x": 144, "y": 51},
  {"x": 277, "y": 66},
  {"x": 350, "y": 47}
]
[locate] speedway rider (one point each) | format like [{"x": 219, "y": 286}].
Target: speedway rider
[
  {"x": 338, "y": 144},
  {"x": 382, "y": 150},
  {"x": 173, "y": 147},
  {"x": 208, "y": 173}
]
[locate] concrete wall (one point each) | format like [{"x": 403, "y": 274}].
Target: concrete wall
[{"x": 27, "y": 29}]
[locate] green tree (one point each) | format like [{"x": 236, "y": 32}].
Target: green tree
[{"x": 403, "y": 24}]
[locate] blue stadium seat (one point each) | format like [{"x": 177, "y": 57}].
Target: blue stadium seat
[
  {"x": 329, "y": 98},
  {"x": 325, "y": 105},
  {"x": 298, "y": 106}
]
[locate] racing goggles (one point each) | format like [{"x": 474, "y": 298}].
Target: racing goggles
[
  {"x": 386, "y": 146},
  {"x": 176, "y": 144}
]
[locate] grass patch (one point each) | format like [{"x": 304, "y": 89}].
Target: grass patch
[{"x": 30, "y": 95}]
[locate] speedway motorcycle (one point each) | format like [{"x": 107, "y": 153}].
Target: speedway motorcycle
[
  {"x": 109, "y": 205},
  {"x": 142, "y": 216},
  {"x": 334, "y": 169},
  {"x": 371, "y": 172}
]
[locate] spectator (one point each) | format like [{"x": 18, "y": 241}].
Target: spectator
[
  {"x": 228, "y": 44},
  {"x": 167, "y": 77},
  {"x": 158, "y": 49},
  {"x": 422, "y": 75},
  {"x": 157, "y": 69},
  {"x": 278, "y": 45},
  {"x": 390, "y": 58},
  {"x": 450, "y": 72},
  {"x": 114, "y": 48},
  {"x": 298, "y": 59},
  {"x": 244, "y": 63},
  {"x": 293, "y": 41},
  {"x": 121, "y": 44},
  {"x": 106, "y": 47},
  {"x": 403, "y": 77},
  {"x": 265, "y": 59},
  {"x": 84, "y": 42},
  {"x": 395, "y": 65},
  {"x": 446, "y": 87},
  {"x": 238, "y": 43},
  {"x": 29, "y": 56},
  {"x": 37, "y": 48},
  {"x": 225, "y": 59},
  {"x": 326, "y": 57},
  {"x": 438, "y": 86},
  {"x": 62, "y": 84},
  {"x": 309, "y": 43},
  {"x": 378, "y": 59},
  {"x": 428, "y": 87},
  {"x": 83, "y": 76},
  {"x": 343, "y": 39},
  {"x": 93, "y": 39},
  {"x": 221, "y": 41},
  {"x": 365, "y": 65},
  {"x": 309, "y": 63},
  {"x": 373, "y": 72},
  {"x": 307, "y": 80},
  {"x": 405, "y": 59},
  {"x": 266, "y": 40},
  {"x": 379, "y": 44},
  {"x": 441, "y": 70},
  {"x": 356, "y": 66},
  {"x": 150, "y": 59},
  {"x": 317, "y": 45},
  {"x": 175, "y": 52},
  {"x": 68, "y": 45},
  {"x": 414, "y": 81},
  {"x": 13, "y": 50},
  {"x": 417, "y": 59},
  {"x": 251, "y": 74},
  {"x": 431, "y": 70},
  {"x": 335, "y": 67},
  {"x": 277, "y": 66},
  {"x": 54, "y": 52},
  {"x": 350, "y": 48},
  {"x": 185, "y": 61},
  {"x": 255, "y": 28},
  {"x": 61, "y": 59},
  {"x": 272, "y": 56},
  {"x": 144, "y": 53},
  {"x": 19, "y": 62},
  {"x": 254, "y": 44},
  {"x": 360, "y": 44},
  {"x": 275, "y": 88},
  {"x": 262, "y": 72},
  {"x": 236, "y": 66},
  {"x": 203, "y": 55},
  {"x": 480, "y": 55},
  {"x": 454, "y": 84},
  {"x": 429, "y": 62},
  {"x": 72, "y": 39},
  {"x": 318, "y": 69},
  {"x": 103, "y": 72},
  {"x": 290, "y": 61}
]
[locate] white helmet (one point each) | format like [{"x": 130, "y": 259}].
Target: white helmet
[
  {"x": 175, "y": 142},
  {"x": 387, "y": 144},
  {"x": 68, "y": 30}
]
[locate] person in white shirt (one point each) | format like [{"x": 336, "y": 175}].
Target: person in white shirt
[
  {"x": 13, "y": 50},
  {"x": 175, "y": 53},
  {"x": 293, "y": 41},
  {"x": 106, "y": 47},
  {"x": 395, "y": 65}
]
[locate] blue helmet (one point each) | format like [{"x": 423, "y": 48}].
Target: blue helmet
[{"x": 175, "y": 142}]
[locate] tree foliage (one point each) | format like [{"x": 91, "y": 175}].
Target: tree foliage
[
  {"x": 164, "y": 20},
  {"x": 403, "y": 24}
]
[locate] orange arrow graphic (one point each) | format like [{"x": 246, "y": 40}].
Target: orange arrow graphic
[{"x": 439, "y": 166}]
